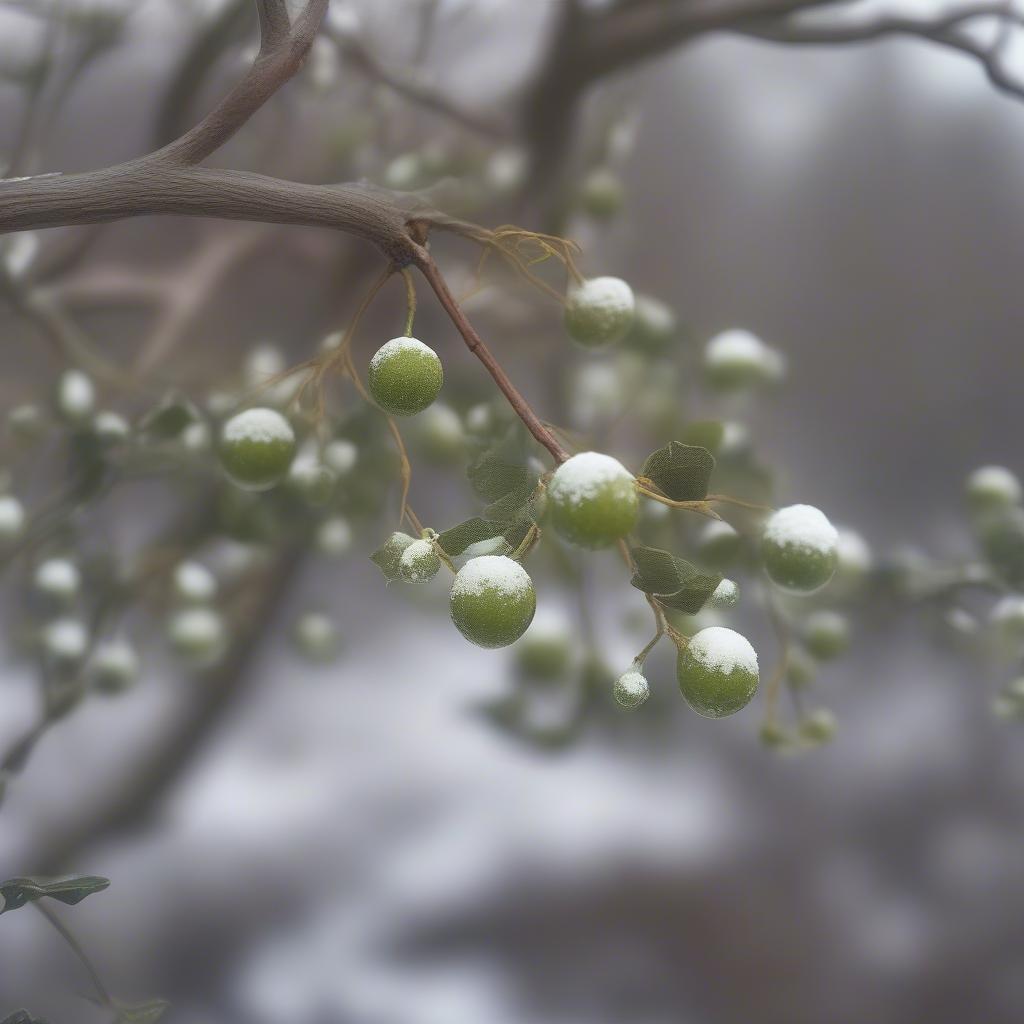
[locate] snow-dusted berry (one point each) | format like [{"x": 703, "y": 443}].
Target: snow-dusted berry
[
  {"x": 725, "y": 595},
  {"x": 990, "y": 488},
  {"x": 800, "y": 548},
  {"x": 194, "y": 583},
  {"x": 256, "y": 448},
  {"x": 718, "y": 544},
  {"x": 405, "y": 376},
  {"x": 316, "y": 636},
  {"x": 599, "y": 311},
  {"x": 198, "y": 634},
  {"x": 827, "y": 634},
  {"x": 114, "y": 666},
  {"x": 738, "y": 359},
  {"x": 57, "y": 578},
  {"x": 76, "y": 396},
  {"x": 12, "y": 518},
  {"x": 419, "y": 562},
  {"x": 593, "y": 500},
  {"x": 492, "y": 601},
  {"x": 655, "y": 325},
  {"x": 631, "y": 689},
  {"x": 717, "y": 672},
  {"x": 601, "y": 193},
  {"x": 334, "y": 536}
]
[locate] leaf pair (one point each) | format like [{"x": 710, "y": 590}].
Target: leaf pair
[
  {"x": 16, "y": 892},
  {"x": 672, "y": 582}
]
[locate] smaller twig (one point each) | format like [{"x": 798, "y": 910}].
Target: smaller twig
[{"x": 65, "y": 933}]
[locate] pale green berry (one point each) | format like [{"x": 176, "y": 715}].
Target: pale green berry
[
  {"x": 631, "y": 689},
  {"x": 26, "y": 422},
  {"x": 76, "y": 396},
  {"x": 799, "y": 547},
  {"x": 334, "y": 537},
  {"x": 818, "y": 727},
  {"x": 110, "y": 427},
  {"x": 827, "y": 634},
  {"x": 57, "y": 578},
  {"x": 194, "y": 583},
  {"x": 419, "y": 562},
  {"x": 718, "y": 544},
  {"x": 593, "y": 500},
  {"x": 12, "y": 518},
  {"x": 599, "y": 311},
  {"x": 725, "y": 595},
  {"x": 545, "y": 653},
  {"x": 311, "y": 478},
  {"x": 737, "y": 359},
  {"x": 114, "y": 666},
  {"x": 801, "y": 668},
  {"x": 316, "y": 637},
  {"x": 773, "y": 736},
  {"x": 1007, "y": 615},
  {"x": 1002, "y": 539},
  {"x": 341, "y": 455},
  {"x": 256, "y": 448},
  {"x": 440, "y": 434},
  {"x": 198, "y": 634},
  {"x": 990, "y": 488},
  {"x": 65, "y": 642},
  {"x": 506, "y": 170},
  {"x": 601, "y": 194},
  {"x": 655, "y": 325},
  {"x": 717, "y": 672},
  {"x": 405, "y": 376},
  {"x": 492, "y": 601}
]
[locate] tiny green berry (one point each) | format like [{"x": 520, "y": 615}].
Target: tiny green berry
[
  {"x": 592, "y": 499},
  {"x": 601, "y": 194},
  {"x": 313, "y": 480},
  {"x": 198, "y": 634},
  {"x": 737, "y": 359},
  {"x": 389, "y": 555},
  {"x": 631, "y": 689},
  {"x": 717, "y": 672},
  {"x": 405, "y": 376},
  {"x": 492, "y": 601},
  {"x": 800, "y": 549},
  {"x": 818, "y": 727},
  {"x": 599, "y": 311},
  {"x": 12, "y": 518},
  {"x": 827, "y": 634},
  {"x": 991, "y": 488},
  {"x": 256, "y": 448},
  {"x": 419, "y": 562},
  {"x": 114, "y": 667}
]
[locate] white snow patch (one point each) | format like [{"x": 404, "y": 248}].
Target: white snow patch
[
  {"x": 605, "y": 294},
  {"x": 854, "y": 552},
  {"x": 723, "y": 650},
  {"x": 396, "y": 345},
  {"x": 1008, "y": 609},
  {"x": 582, "y": 477},
  {"x": 12, "y": 517},
  {"x": 995, "y": 480},
  {"x": 66, "y": 638},
  {"x": 492, "y": 573},
  {"x": 260, "y": 425},
  {"x": 57, "y": 576},
  {"x": 633, "y": 684},
  {"x": 802, "y": 526}
]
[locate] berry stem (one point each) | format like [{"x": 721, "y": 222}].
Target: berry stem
[
  {"x": 410, "y": 301},
  {"x": 475, "y": 344}
]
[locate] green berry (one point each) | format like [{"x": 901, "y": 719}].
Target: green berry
[
  {"x": 114, "y": 667},
  {"x": 800, "y": 549},
  {"x": 65, "y": 642},
  {"x": 12, "y": 519},
  {"x": 773, "y": 736},
  {"x": 316, "y": 637},
  {"x": 441, "y": 435},
  {"x": 991, "y": 488},
  {"x": 599, "y": 311},
  {"x": 717, "y": 672},
  {"x": 197, "y": 634},
  {"x": 631, "y": 689},
  {"x": 492, "y": 601},
  {"x": 853, "y": 565},
  {"x": 737, "y": 359},
  {"x": 818, "y": 727},
  {"x": 655, "y": 326},
  {"x": 419, "y": 562},
  {"x": 388, "y": 557},
  {"x": 110, "y": 427},
  {"x": 26, "y": 422},
  {"x": 601, "y": 193},
  {"x": 405, "y": 376},
  {"x": 256, "y": 448},
  {"x": 827, "y": 634},
  {"x": 545, "y": 653},
  {"x": 801, "y": 668},
  {"x": 1002, "y": 539},
  {"x": 341, "y": 455},
  {"x": 718, "y": 544},
  {"x": 593, "y": 500},
  {"x": 312, "y": 479}
]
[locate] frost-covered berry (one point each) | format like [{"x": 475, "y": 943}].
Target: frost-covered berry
[
  {"x": 197, "y": 634},
  {"x": 593, "y": 500},
  {"x": 601, "y": 193},
  {"x": 440, "y": 434},
  {"x": 65, "y": 642},
  {"x": 114, "y": 666},
  {"x": 818, "y": 727},
  {"x": 311, "y": 478},
  {"x": 631, "y": 689},
  {"x": 827, "y": 634},
  {"x": 12, "y": 518},
  {"x": 405, "y": 376},
  {"x": 599, "y": 311},
  {"x": 57, "y": 578},
  {"x": 800, "y": 548},
  {"x": 389, "y": 555},
  {"x": 992, "y": 487},
  {"x": 419, "y": 562},
  {"x": 316, "y": 637},
  {"x": 725, "y": 595},
  {"x": 854, "y": 563},
  {"x": 110, "y": 427},
  {"x": 717, "y": 672},
  {"x": 737, "y": 359},
  {"x": 334, "y": 536},
  {"x": 76, "y": 396},
  {"x": 492, "y": 601},
  {"x": 655, "y": 325},
  {"x": 194, "y": 583},
  {"x": 718, "y": 544},
  {"x": 256, "y": 448},
  {"x": 545, "y": 653}
]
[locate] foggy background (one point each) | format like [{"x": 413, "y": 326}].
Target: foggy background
[{"x": 353, "y": 845}]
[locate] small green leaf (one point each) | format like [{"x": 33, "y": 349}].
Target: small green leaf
[
  {"x": 492, "y": 477},
  {"x": 692, "y": 596},
  {"x": 169, "y": 418},
  {"x": 472, "y": 531},
  {"x": 673, "y": 582},
  {"x": 16, "y": 892},
  {"x": 680, "y": 471},
  {"x": 388, "y": 555}
]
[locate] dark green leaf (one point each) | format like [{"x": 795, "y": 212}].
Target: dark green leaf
[
  {"x": 493, "y": 477},
  {"x": 680, "y": 471},
  {"x": 693, "y": 595},
  {"x": 169, "y": 418},
  {"x": 674, "y": 582},
  {"x": 16, "y": 892},
  {"x": 472, "y": 531}
]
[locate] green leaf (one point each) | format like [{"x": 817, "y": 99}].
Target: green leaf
[
  {"x": 680, "y": 471},
  {"x": 472, "y": 531},
  {"x": 169, "y": 418},
  {"x": 673, "y": 582},
  {"x": 16, "y": 892},
  {"x": 493, "y": 476}
]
